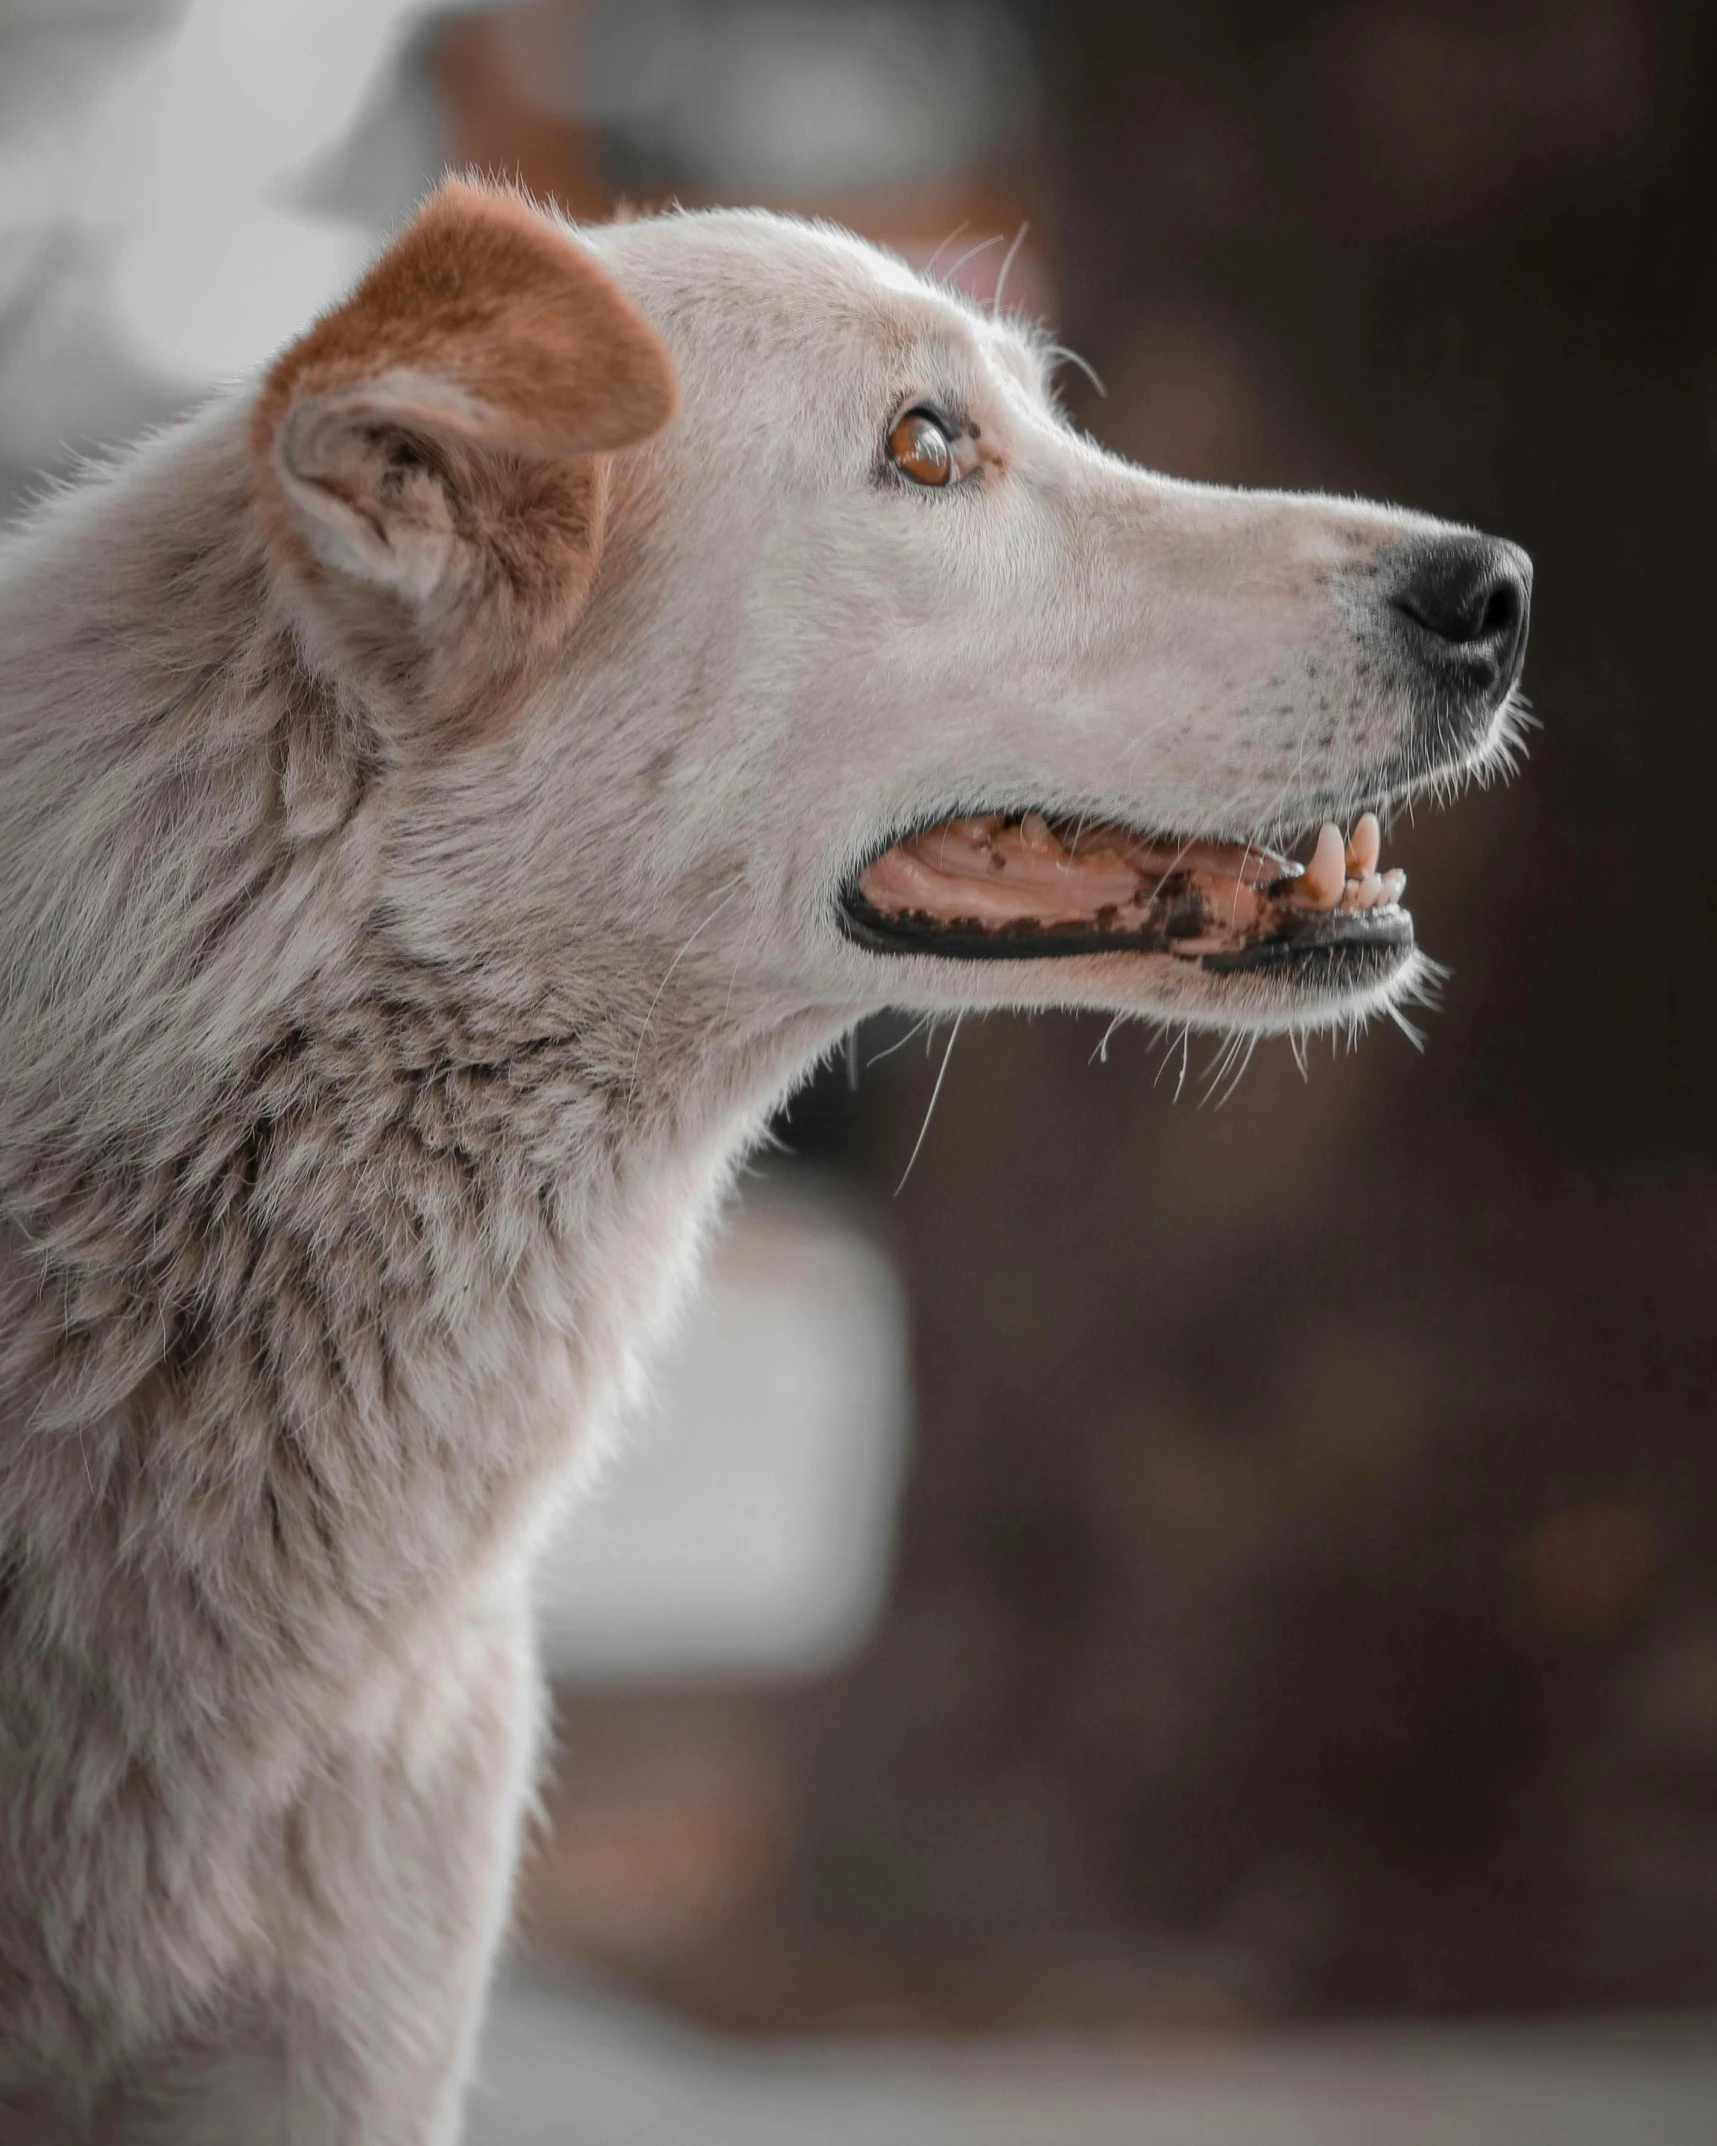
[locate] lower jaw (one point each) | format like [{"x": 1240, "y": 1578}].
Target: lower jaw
[
  {"x": 1372, "y": 942},
  {"x": 1325, "y": 976},
  {"x": 1326, "y": 954},
  {"x": 1327, "y": 970}
]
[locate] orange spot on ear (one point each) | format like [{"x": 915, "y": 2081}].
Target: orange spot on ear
[{"x": 484, "y": 295}]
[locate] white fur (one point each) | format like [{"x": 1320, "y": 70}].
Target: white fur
[{"x": 365, "y": 1094}]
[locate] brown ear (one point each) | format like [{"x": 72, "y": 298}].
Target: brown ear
[{"x": 430, "y": 457}]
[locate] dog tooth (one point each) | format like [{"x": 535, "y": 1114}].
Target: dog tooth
[
  {"x": 1364, "y": 845},
  {"x": 1322, "y": 881},
  {"x": 1394, "y": 886},
  {"x": 1035, "y": 833}
]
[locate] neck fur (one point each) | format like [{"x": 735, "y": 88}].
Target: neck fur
[{"x": 313, "y": 1246}]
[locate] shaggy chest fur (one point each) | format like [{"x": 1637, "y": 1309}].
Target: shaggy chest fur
[
  {"x": 324, "y": 1256},
  {"x": 284, "y": 1406},
  {"x": 323, "y": 1261}
]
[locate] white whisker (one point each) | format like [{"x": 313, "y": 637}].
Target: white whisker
[
  {"x": 1060, "y": 350},
  {"x": 1007, "y": 263},
  {"x": 929, "y": 268},
  {"x": 1243, "y": 1059},
  {"x": 1101, "y": 1053},
  {"x": 941, "y": 1076},
  {"x": 971, "y": 254},
  {"x": 900, "y": 1042},
  {"x": 1168, "y": 1052}
]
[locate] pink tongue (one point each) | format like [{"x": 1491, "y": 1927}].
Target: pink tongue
[{"x": 993, "y": 873}]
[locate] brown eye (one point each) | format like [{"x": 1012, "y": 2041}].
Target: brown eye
[{"x": 920, "y": 449}]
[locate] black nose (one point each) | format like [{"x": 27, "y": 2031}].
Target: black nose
[{"x": 1465, "y": 600}]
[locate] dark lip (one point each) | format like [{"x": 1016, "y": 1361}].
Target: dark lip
[
  {"x": 1321, "y": 945},
  {"x": 1364, "y": 939}
]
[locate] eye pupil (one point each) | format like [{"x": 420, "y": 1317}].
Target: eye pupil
[{"x": 920, "y": 449}]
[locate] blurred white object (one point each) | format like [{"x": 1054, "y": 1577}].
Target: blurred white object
[
  {"x": 562, "y": 2063},
  {"x": 746, "y": 1526},
  {"x": 158, "y": 227},
  {"x": 785, "y": 98}
]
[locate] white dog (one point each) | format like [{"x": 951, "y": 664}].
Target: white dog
[{"x": 449, "y": 794}]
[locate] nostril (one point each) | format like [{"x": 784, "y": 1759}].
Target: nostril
[
  {"x": 1470, "y": 592},
  {"x": 1502, "y": 608}
]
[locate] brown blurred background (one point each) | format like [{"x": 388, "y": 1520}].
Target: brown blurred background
[{"x": 1305, "y": 1603}]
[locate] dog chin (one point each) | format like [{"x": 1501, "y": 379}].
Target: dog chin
[
  {"x": 1345, "y": 993},
  {"x": 1300, "y": 1000}
]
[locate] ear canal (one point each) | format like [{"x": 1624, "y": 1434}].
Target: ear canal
[{"x": 429, "y": 457}]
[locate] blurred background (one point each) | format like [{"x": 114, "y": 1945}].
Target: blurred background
[{"x": 1194, "y": 1617}]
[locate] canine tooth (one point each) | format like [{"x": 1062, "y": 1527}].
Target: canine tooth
[
  {"x": 1394, "y": 886},
  {"x": 1322, "y": 881},
  {"x": 1364, "y": 845},
  {"x": 1035, "y": 833}
]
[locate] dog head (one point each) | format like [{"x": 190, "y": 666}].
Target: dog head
[{"x": 855, "y": 676}]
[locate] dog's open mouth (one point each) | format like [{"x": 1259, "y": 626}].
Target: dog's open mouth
[{"x": 1002, "y": 886}]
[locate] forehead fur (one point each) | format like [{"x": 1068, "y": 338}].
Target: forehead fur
[{"x": 807, "y": 301}]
